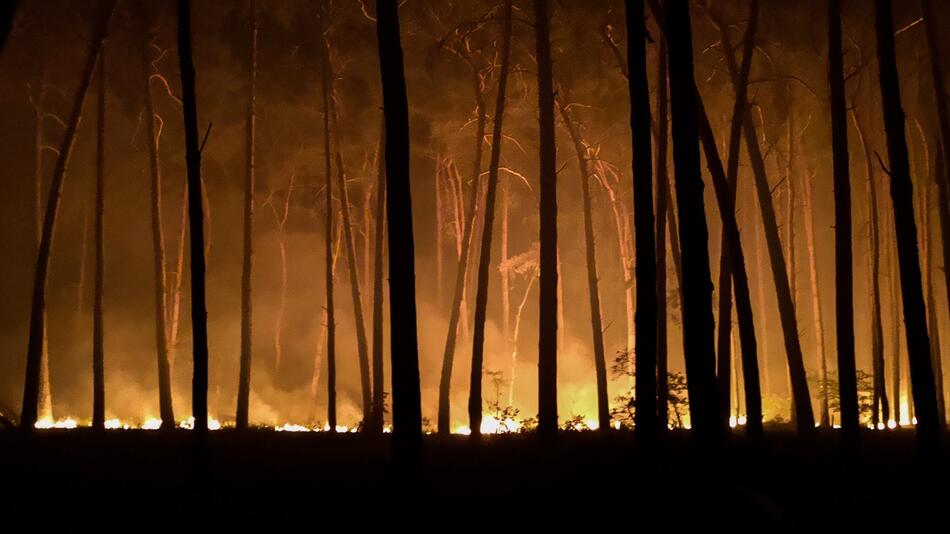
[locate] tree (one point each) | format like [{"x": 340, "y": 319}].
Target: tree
[
  {"x": 244, "y": 378},
  {"x": 646, "y": 317},
  {"x": 662, "y": 212},
  {"x": 34, "y": 353},
  {"x": 698, "y": 327},
  {"x": 547, "y": 322},
  {"x": 844, "y": 297},
  {"x": 199, "y": 312},
  {"x": 484, "y": 259},
  {"x": 824, "y": 417},
  {"x": 908, "y": 256},
  {"x": 98, "y": 356},
  {"x": 378, "y": 379},
  {"x": 404, "y": 347}
]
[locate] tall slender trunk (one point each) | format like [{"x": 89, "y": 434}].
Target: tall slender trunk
[
  {"x": 698, "y": 325},
  {"x": 323, "y": 344},
  {"x": 891, "y": 264},
  {"x": 98, "y": 351},
  {"x": 175, "y": 297},
  {"x": 349, "y": 246},
  {"x": 874, "y": 289},
  {"x": 379, "y": 407},
  {"x": 503, "y": 266},
  {"x": 407, "y": 414},
  {"x": 244, "y": 377},
  {"x": 645, "y": 242},
  {"x": 199, "y": 311},
  {"x": 791, "y": 266},
  {"x": 600, "y": 362},
  {"x": 763, "y": 310},
  {"x": 822, "y": 362},
  {"x": 45, "y": 395},
  {"x": 34, "y": 353},
  {"x": 280, "y": 218},
  {"x": 929, "y": 259},
  {"x": 915, "y": 312},
  {"x": 439, "y": 224},
  {"x": 662, "y": 207},
  {"x": 484, "y": 257},
  {"x": 166, "y": 409},
  {"x": 547, "y": 321},
  {"x": 740, "y": 109}
]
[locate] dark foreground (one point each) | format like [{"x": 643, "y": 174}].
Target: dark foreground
[{"x": 121, "y": 479}]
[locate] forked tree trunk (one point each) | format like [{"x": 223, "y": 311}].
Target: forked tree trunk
[
  {"x": 199, "y": 311},
  {"x": 915, "y": 313},
  {"x": 593, "y": 290},
  {"x": 34, "y": 353},
  {"x": 547, "y": 321},
  {"x": 98, "y": 350},
  {"x": 244, "y": 377},
  {"x": 645, "y": 242},
  {"x": 484, "y": 258},
  {"x": 407, "y": 408}
]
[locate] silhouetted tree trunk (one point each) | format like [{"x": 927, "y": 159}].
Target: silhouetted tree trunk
[
  {"x": 645, "y": 243},
  {"x": 824, "y": 417},
  {"x": 244, "y": 378},
  {"x": 7, "y": 12},
  {"x": 740, "y": 108},
  {"x": 484, "y": 258},
  {"x": 698, "y": 326},
  {"x": 600, "y": 362},
  {"x": 915, "y": 313},
  {"x": 547, "y": 321},
  {"x": 407, "y": 415},
  {"x": 34, "y": 353},
  {"x": 98, "y": 351},
  {"x": 199, "y": 311},
  {"x": 662, "y": 207},
  {"x": 379, "y": 407},
  {"x": 362, "y": 348},
  {"x": 844, "y": 292},
  {"x": 791, "y": 267}
]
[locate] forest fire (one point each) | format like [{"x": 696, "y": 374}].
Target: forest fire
[{"x": 650, "y": 255}]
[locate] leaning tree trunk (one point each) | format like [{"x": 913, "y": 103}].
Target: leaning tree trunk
[
  {"x": 34, "y": 353},
  {"x": 662, "y": 207},
  {"x": 244, "y": 377},
  {"x": 597, "y": 328},
  {"x": 379, "y": 407},
  {"x": 915, "y": 312},
  {"x": 645, "y": 244},
  {"x": 698, "y": 325},
  {"x": 404, "y": 348},
  {"x": 199, "y": 311},
  {"x": 739, "y": 110},
  {"x": 824, "y": 417},
  {"x": 547, "y": 320},
  {"x": 362, "y": 348},
  {"x": 844, "y": 292},
  {"x": 98, "y": 351},
  {"x": 484, "y": 258}
]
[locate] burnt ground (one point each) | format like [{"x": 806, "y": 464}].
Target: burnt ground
[{"x": 121, "y": 479}]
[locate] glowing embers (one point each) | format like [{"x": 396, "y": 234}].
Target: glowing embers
[{"x": 47, "y": 423}]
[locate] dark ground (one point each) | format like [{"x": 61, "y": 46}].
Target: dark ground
[{"x": 135, "y": 478}]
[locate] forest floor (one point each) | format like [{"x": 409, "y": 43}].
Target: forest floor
[{"x": 118, "y": 478}]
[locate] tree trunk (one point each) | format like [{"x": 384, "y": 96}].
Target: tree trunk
[
  {"x": 244, "y": 379},
  {"x": 597, "y": 328},
  {"x": 7, "y": 13},
  {"x": 698, "y": 326},
  {"x": 645, "y": 242},
  {"x": 45, "y": 397},
  {"x": 98, "y": 351},
  {"x": 333, "y": 255},
  {"x": 928, "y": 252},
  {"x": 34, "y": 354},
  {"x": 438, "y": 226},
  {"x": 662, "y": 207},
  {"x": 824, "y": 418},
  {"x": 404, "y": 348},
  {"x": 484, "y": 258},
  {"x": 547, "y": 321},
  {"x": 199, "y": 312},
  {"x": 915, "y": 313},
  {"x": 379, "y": 407}
]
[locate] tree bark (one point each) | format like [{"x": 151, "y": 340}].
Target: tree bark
[
  {"x": 484, "y": 258},
  {"x": 915, "y": 313},
  {"x": 199, "y": 312},
  {"x": 98, "y": 351},
  {"x": 407, "y": 415},
  {"x": 34, "y": 353},
  {"x": 547, "y": 325}
]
